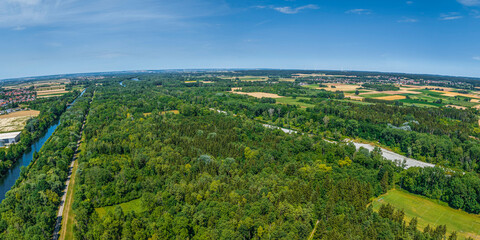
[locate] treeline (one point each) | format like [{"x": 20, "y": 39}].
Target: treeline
[
  {"x": 380, "y": 87},
  {"x": 50, "y": 111},
  {"x": 461, "y": 191},
  {"x": 29, "y": 208}
]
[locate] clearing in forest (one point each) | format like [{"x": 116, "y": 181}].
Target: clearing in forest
[
  {"x": 16, "y": 121},
  {"x": 134, "y": 205},
  {"x": 429, "y": 212}
]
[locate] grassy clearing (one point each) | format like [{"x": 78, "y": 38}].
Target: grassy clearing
[
  {"x": 134, "y": 205},
  {"x": 296, "y": 101},
  {"x": 431, "y": 212}
]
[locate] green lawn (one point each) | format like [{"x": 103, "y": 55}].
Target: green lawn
[
  {"x": 134, "y": 205},
  {"x": 430, "y": 212}
]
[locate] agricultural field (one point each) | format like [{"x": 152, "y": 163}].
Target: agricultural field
[
  {"x": 421, "y": 96},
  {"x": 39, "y": 84},
  {"x": 50, "y": 91},
  {"x": 16, "y": 121},
  {"x": 257, "y": 94},
  {"x": 431, "y": 213},
  {"x": 294, "y": 101}
]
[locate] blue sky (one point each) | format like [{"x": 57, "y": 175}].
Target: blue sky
[{"x": 41, "y": 37}]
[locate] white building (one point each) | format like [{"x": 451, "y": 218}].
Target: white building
[{"x": 9, "y": 138}]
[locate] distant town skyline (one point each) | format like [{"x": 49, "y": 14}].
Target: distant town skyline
[{"x": 47, "y": 37}]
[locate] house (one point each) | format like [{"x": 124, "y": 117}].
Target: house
[{"x": 9, "y": 138}]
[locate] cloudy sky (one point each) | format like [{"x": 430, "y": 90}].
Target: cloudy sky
[{"x": 41, "y": 37}]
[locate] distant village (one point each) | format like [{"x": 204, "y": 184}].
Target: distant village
[{"x": 12, "y": 96}]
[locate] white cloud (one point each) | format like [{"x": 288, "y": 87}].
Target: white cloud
[
  {"x": 289, "y": 10},
  {"x": 476, "y": 58},
  {"x": 359, "y": 11},
  {"x": 469, "y": 3},
  {"x": 409, "y": 2},
  {"x": 28, "y": 13},
  {"x": 450, "y": 16},
  {"x": 407, "y": 20}
]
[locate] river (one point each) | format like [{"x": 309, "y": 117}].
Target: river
[{"x": 7, "y": 182}]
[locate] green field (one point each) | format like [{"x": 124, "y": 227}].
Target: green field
[
  {"x": 430, "y": 212},
  {"x": 292, "y": 101},
  {"x": 374, "y": 95},
  {"x": 134, "y": 205}
]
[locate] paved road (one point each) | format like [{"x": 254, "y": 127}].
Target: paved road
[{"x": 389, "y": 155}]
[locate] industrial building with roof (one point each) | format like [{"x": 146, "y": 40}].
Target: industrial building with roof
[{"x": 9, "y": 138}]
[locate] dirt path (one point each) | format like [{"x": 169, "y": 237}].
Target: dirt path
[
  {"x": 60, "y": 214},
  {"x": 68, "y": 204},
  {"x": 314, "y": 230}
]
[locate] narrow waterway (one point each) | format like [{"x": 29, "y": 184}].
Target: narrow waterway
[{"x": 8, "y": 181}]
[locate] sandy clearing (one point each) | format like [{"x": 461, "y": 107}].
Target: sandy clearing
[
  {"x": 391, "y": 98},
  {"x": 475, "y": 100},
  {"x": 258, "y": 94},
  {"x": 457, "y": 107},
  {"x": 477, "y": 107}
]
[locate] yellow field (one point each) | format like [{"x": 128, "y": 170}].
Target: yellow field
[
  {"x": 49, "y": 96},
  {"x": 259, "y": 94},
  {"x": 16, "y": 121},
  {"x": 49, "y": 92},
  {"x": 454, "y": 94},
  {"x": 341, "y": 87},
  {"x": 391, "y": 98},
  {"x": 51, "y": 83}
]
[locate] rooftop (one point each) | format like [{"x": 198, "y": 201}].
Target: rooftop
[{"x": 9, "y": 135}]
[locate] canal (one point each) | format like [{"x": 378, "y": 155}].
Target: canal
[{"x": 8, "y": 181}]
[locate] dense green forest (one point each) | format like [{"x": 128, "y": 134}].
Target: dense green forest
[
  {"x": 213, "y": 171},
  {"x": 50, "y": 111}
]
